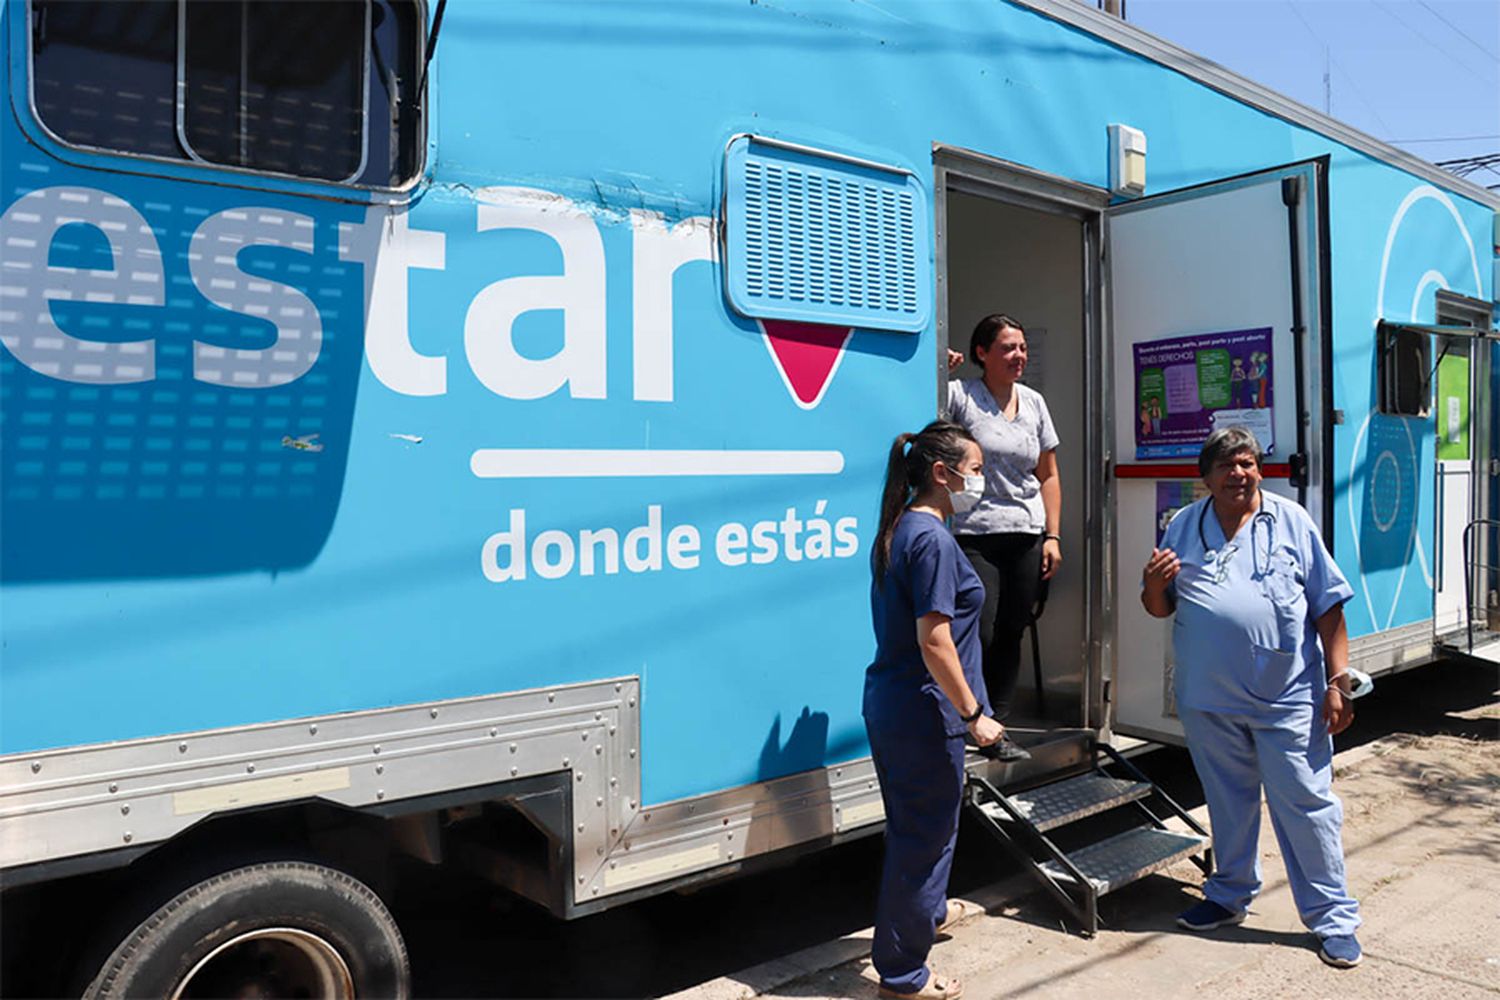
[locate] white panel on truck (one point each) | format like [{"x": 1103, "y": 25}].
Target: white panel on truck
[{"x": 1212, "y": 263}]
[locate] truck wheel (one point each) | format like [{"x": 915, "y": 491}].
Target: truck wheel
[{"x": 287, "y": 929}]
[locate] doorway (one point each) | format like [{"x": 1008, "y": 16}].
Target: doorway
[{"x": 1016, "y": 242}]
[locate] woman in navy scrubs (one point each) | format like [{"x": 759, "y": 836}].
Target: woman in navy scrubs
[{"x": 923, "y": 694}]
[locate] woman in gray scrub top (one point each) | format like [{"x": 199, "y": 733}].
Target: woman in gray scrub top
[{"x": 1011, "y": 534}]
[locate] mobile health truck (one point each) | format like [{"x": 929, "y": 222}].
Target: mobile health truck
[{"x": 455, "y": 432}]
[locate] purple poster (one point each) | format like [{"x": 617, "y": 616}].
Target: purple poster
[
  {"x": 1186, "y": 387},
  {"x": 1171, "y": 496}
]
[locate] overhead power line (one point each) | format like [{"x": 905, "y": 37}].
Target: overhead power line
[
  {"x": 1394, "y": 15},
  {"x": 1461, "y": 33}
]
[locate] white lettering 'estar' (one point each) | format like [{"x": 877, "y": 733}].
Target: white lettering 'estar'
[
  {"x": 389, "y": 247},
  {"x": 135, "y": 277}
]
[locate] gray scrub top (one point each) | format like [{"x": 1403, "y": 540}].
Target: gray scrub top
[{"x": 1012, "y": 499}]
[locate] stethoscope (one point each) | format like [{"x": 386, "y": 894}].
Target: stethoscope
[{"x": 1263, "y": 518}]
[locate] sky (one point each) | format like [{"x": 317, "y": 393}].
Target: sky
[{"x": 1423, "y": 75}]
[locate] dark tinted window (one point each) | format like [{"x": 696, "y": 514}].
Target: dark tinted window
[
  {"x": 323, "y": 89},
  {"x": 104, "y": 73},
  {"x": 1405, "y": 363},
  {"x": 277, "y": 85}
]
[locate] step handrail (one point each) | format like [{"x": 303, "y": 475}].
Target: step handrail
[
  {"x": 1087, "y": 914},
  {"x": 1122, "y": 761},
  {"x": 1469, "y": 567}
]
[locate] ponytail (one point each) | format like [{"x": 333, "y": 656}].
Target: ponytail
[{"x": 908, "y": 472}]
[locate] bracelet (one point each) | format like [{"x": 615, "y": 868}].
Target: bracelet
[
  {"x": 1055, "y": 538},
  {"x": 969, "y": 720}
]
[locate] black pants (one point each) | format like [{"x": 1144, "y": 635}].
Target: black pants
[{"x": 1010, "y": 565}]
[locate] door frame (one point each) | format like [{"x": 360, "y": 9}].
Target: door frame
[
  {"x": 956, "y": 169},
  {"x": 1459, "y": 313},
  {"x": 1307, "y": 207}
]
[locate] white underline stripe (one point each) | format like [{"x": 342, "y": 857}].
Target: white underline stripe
[{"x": 587, "y": 463}]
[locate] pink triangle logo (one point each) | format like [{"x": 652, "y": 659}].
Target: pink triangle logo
[{"x": 806, "y": 355}]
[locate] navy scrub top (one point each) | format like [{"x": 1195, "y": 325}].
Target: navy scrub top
[{"x": 928, "y": 572}]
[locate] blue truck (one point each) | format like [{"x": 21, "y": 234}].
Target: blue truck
[{"x": 454, "y": 431}]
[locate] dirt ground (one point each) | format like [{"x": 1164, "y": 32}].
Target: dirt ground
[{"x": 1422, "y": 840}]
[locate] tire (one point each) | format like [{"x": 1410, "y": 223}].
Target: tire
[{"x": 281, "y": 929}]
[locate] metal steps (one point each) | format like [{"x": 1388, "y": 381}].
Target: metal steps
[
  {"x": 1128, "y": 857},
  {"x": 1022, "y": 819},
  {"x": 1063, "y": 802}
]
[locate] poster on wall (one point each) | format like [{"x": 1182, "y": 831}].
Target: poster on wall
[
  {"x": 1171, "y": 496},
  {"x": 1453, "y": 408},
  {"x": 1187, "y": 387}
]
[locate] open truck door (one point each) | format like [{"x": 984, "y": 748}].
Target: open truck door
[{"x": 1216, "y": 298}]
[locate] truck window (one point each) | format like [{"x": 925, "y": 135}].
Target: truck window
[
  {"x": 1405, "y": 367},
  {"x": 317, "y": 89}
]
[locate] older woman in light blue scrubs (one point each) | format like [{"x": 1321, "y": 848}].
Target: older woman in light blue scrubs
[{"x": 1261, "y": 681}]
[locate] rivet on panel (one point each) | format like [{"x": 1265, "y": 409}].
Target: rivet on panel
[
  {"x": 599, "y": 802},
  {"x": 514, "y": 771},
  {"x": 182, "y": 748},
  {"x": 632, "y": 751},
  {"x": 582, "y": 879},
  {"x": 585, "y": 737},
  {"x": 613, "y": 865},
  {"x": 377, "y": 748},
  {"x": 614, "y": 831},
  {"x": 113, "y": 787},
  {"x": 313, "y": 729},
  {"x": 250, "y": 768},
  {"x": 380, "y": 793},
  {"x": 125, "y": 809},
  {"x": 579, "y": 775},
  {"x": 129, "y": 836},
  {"x": 596, "y": 890},
  {"x": 611, "y": 730},
  {"x": 580, "y": 827},
  {"x": 731, "y": 855},
  {"x": 36, "y": 766},
  {"x": 618, "y": 687},
  {"x": 598, "y": 716},
  {"x": 567, "y": 762},
  {"x": 551, "y": 696},
  {"x": 512, "y": 748},
  {"x": 839, "y": 773},
  {"x": 631, "y": 703},
  {"x": 433, "y": 713},
  {"x": 599, "y": 851},
  {"x": 379, "y": 768},
  {"x": 494, "y": 732},
  {"x": 613, "y": 782},
  {"x": 599, "y": 749}
]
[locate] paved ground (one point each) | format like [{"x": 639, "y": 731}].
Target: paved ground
[
  {"x": 1420, "y": 785},
  {"x": 1422, "y": 837}
]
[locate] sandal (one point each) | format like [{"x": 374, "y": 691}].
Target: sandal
[
  {"x": 959, "y": 910},
  {"x": 937, "y": 988}
]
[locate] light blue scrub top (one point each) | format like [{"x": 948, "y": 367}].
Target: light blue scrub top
[{"x": 1245, "y": 636}]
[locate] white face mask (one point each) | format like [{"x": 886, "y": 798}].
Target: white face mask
[{"x": 965, "y": 499}]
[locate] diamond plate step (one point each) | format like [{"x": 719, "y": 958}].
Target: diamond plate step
[
  {"x": 1128, "y": 857},
  {"x": 1062, "y": 802}
]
